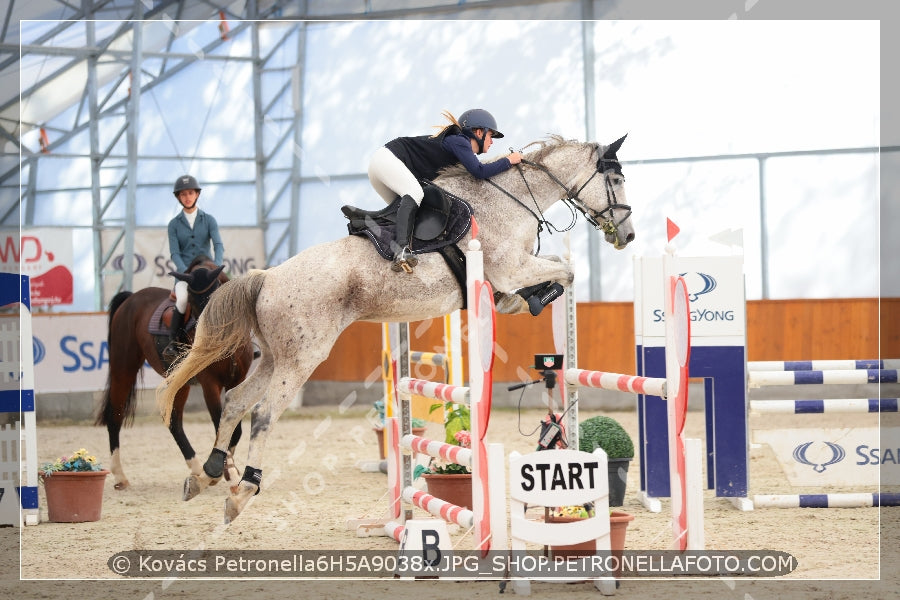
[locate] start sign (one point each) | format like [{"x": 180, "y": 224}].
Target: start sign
[
  {"x": 550, "y": 477},
  {"x": 559, "y": 477}
]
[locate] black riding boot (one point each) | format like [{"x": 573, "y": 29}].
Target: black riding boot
[
  {"x": 406, "y": 219},
  {"x": 172, "y": 351},
  {"x": 540, "y": 295}
]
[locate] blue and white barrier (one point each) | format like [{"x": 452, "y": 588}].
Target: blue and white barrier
[
  {"x": 821, "y": 365},
  {"x": 846, "y": 457},
  {"x": 807, "y": 407},
  {"x": 756, "y": 379},
  {"x": 849, "y": 500}
]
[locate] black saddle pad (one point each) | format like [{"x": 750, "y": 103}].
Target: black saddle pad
[{"x": 437, "y": 207}]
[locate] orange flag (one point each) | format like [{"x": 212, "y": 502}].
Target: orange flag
[{"x": 671, "y": 229}]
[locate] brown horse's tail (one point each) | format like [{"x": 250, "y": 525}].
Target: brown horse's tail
[
  {"x": 105, "y": 414},
  {"x": 224, "y": 326}
]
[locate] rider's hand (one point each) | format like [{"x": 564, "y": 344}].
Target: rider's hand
[{"x": 515, "y": 158}]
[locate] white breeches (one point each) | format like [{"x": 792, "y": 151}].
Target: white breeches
[
  {"x": 181, "y": 296},
  {"x": 390, "y": 177}
]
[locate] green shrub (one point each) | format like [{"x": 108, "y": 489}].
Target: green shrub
[{"x": 606, "y": 433}]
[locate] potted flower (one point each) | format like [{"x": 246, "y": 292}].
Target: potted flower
[
  {"x": 605, "y": 432},
  {"x": 418, "y": 427},
  {"x": 449, "y": 481},
  {"x": 74, "y": 487},
  {"x": 618, "y": 524}
]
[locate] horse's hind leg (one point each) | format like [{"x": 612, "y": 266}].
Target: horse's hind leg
[
  {"x": 284, "y": 385},
  {"x": 115, "y": 411},
  {"x": 212, "y": 394},
  {"x": 237, "y": 401}
]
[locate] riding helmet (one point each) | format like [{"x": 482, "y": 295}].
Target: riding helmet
[
  {"x": 186, "y": 182},
  {"x": 478, "y": 118}
]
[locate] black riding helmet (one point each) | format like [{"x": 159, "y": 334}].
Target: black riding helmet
[
  {"x": 478, "y": 118},
  {"x": 188, "y": 182}
]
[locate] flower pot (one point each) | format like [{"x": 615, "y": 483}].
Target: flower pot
[
  {"x": 379, "y": 433},
  {"x": 617, "y": 477},
  {"x": 74, "y": 496},
  {"x": 455, "y": 488},
  {"x": 618, "y": 524},
  {"x": 586, "y": 548}
]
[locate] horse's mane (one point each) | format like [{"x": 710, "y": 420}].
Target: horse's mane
[{"x": 544, "y": 147}]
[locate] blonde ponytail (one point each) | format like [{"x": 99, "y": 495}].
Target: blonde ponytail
[{"x": 453, "y": 122}]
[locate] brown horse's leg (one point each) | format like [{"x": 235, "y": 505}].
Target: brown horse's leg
[
  {"x": 176, "y": 428},
  {"x": 120, "y": 387},
  {"x": 118, "y": 404}
]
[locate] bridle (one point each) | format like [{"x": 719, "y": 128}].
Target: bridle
[{"x": 603, "y": 220}]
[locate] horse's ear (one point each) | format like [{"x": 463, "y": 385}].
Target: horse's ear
[
  {"x": 180, "y": 276},
  {"x": 216, "y": 272},
  {"x": 611, "y": 150}
]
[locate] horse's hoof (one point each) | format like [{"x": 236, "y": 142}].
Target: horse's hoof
[
  {"x": 232, "y": 510},
  {"x": 192, "y": 487},
  {"x": 122, "y": 485},
  {"x": 510, "y": 304}
]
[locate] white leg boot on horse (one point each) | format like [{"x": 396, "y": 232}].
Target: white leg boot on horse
[{"x": 299, "y": 308}]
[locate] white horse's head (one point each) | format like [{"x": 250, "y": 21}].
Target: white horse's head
[
  {"x": 603, "y": 196},
  {"x": 590, "y": 176}
]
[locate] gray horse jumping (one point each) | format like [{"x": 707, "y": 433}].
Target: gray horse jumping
[{"x": 298, "y": 309}]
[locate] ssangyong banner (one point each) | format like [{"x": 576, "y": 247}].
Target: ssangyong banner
[
  {"x": 244, "y": 250},
  {"x": 45, "y": 255},
  {"x": 71, "y": 353}
]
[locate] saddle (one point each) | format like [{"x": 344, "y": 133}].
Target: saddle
[
  {"x": 161, "y": 319},
  {"x": 441, "y": 221}
]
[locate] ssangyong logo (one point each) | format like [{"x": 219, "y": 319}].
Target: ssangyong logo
[
  {"x": 707, "y": 284},
  {"x": 704, "y": 283},
  {"x": 37, "y": 347},
  {"x": 837, "y": 455},
  {"x": 118, "y": 263}
]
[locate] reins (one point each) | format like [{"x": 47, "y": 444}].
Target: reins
[{"x": 573, "y": 201}]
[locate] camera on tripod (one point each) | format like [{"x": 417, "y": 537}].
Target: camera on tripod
[
  {"x": 548, "y": 365},
  {"x": 552, "y": 433},
  {"x": 548, "y": 362}
]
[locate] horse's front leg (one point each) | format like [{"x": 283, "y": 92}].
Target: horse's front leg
[
  {"x": 529, "y": 284},
  {"x": 176, "y": 428}
]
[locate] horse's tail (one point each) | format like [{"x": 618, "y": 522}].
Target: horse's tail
[
  {"x": 105, "y": 414},
  {"x": 114, "y": 305},
  {"x": 223, "y": 327}
]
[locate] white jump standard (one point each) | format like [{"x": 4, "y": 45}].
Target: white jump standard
[
  {"x": 488, "y": 497},
  {"x": 687, "y": 511}
]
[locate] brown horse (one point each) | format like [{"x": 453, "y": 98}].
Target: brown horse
[{"x": 131, "y": 343}]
